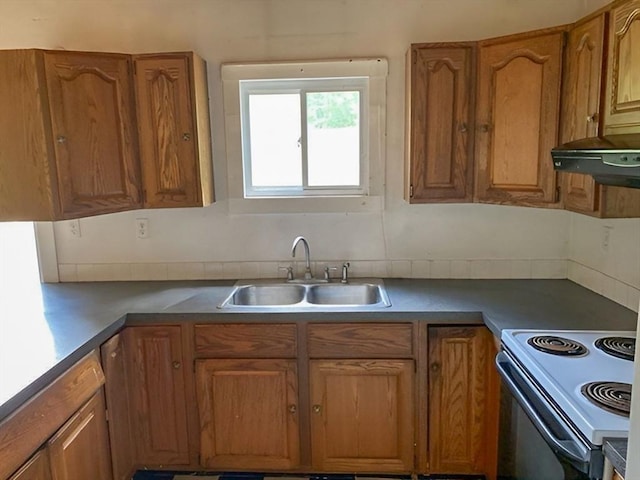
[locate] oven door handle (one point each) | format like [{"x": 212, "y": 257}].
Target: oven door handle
[{"x": 572, "y": 449}]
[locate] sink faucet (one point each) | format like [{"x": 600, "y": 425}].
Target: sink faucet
[{"x": 305, "y": 244}]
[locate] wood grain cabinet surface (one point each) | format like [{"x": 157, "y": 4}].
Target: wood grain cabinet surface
[
  {"x": 173, "y": 126},
  {"x": 37, "y": 468},
  {"x": 81, "y": 448},
  {"x": 67, "y": 130},
  {"x": 70, "y": 141},
  {"x": 157, "y": 398},
  {"x": 622, "y": 99},
  {"x": 248, "y": 410},
  {"x": 362, "y": 415},
  {"x": 463, "y": 401},
  {"x": 581, "y": 118},
  {"x": 440, "y": 91},
  {"x": 517, "y": 118}
]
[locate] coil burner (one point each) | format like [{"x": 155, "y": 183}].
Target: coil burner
[
  {"x": 614, "y": 397},
  {"x": 621, "y": 347},
  {"x": 557, "y": 345}
]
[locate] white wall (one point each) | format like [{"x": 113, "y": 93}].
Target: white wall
[
  {"x": 400, "y": 240},
  {"x": 604, "y": 255}
]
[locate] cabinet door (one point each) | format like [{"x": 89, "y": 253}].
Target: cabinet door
[
  {"x": 517, "y": 119},
  {"x": 80, "y": 449},
  {"x": 117, "y": 391},
  {"x": 463, "y": 401},
  {"x": 440, "y": 139},
  {"x": 91, "y": 108},
  {"x": 171, "y": 144},
  {"x": 248, "y": 413},
  {"x": 158, "y": 404},
  {"x": 35, "y": 469},
  {"x": 622, "y": 113},
  {"x": 581, "y": 105},
  {"x": 362, "y": 415}
]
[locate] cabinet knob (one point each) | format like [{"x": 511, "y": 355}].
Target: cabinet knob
[
  {"x": 293, "y": 409},
  {"x": 462, "y": 128},
  {"x": 176, "y": 364},
  {"x": 317, "y": 409},
  {"x": 484, "y": 128},
  {"x": 186, "y": 137},
  {"x": 435, "y": 367},
  {"x": 592, "y": 118},
  {"x": 61, "y": 139}
]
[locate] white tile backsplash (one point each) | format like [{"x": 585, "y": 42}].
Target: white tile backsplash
[{"x": 590, "y": 278}]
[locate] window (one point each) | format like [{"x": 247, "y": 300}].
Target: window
[{"x": 305, "y": 136}]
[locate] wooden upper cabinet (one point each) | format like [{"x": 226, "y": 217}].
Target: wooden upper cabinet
[
  {"x": 581, "y": 105},
  {"x": 440, "y": 122},
  {"x": 68, "y": 141},
  {"x": 362, "y": 415},
  {"x": 248, "y": 413},
  {"x": 81, "y": 448},
  {"x": 173, "y": 126},
  {"x": 517, "y": 116},
  {"x": 157, "y": 395},
  {"x": 90, "y": 103},
  {"x": 581, "y": 118},
  {"x": 622, "y": 112},
  {"x": 463, "y": 401}
]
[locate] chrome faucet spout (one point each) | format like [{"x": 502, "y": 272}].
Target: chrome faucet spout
[{"x": 305, "y": 244}]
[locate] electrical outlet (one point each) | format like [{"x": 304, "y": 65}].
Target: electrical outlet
[
  {"x": 142, "y": 227},
  {"x": 606, "y": 237},
  {"x": 74, "y": 228}
]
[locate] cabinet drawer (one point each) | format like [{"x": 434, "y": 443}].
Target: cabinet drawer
[
  {"x": 246, "y": 340},
  {"x": 355, "y": 340}
]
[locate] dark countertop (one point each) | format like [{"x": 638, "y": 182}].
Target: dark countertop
[
  {"x": 44, "y": 330},
  {"x": 615, "y": 449}
]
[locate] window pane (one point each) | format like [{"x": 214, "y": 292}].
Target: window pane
[
  {"x": 333, "y": 138},
  {"x": 276, "y": 159}
]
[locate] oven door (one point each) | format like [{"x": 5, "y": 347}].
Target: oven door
[{"x": 578, "y": 458}]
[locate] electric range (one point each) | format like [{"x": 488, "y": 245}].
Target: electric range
[{"x": 575, "y": 386}]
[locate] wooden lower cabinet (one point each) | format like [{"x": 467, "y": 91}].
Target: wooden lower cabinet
[
  {"x": 362, "y": 415},
  {"x": 463, "y": 401},
  {"x": 157, "y": 399},
  {"x": 248, "y": 413},
  {"x": 80, "y": 449},
  {"x": 37, "y": 468}
]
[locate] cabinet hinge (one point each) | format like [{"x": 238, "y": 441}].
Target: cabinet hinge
[
  {"x": 557, "y": 194},
  {"x": 410, "y": 191},
  {"x": 106, "y": 414}
]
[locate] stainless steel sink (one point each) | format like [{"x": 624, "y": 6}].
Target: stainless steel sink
[
  {"x": 345, "y": 294},
  {"x": 269, "y": 295}
]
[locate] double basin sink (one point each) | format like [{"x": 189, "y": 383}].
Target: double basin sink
[{"x": 270, "y": 295}]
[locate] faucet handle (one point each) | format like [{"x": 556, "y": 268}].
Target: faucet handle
[
  {"x": 327, "y": 270},
  {"x": 289, "y": 272},
  {"x": 345, "y": 272}
]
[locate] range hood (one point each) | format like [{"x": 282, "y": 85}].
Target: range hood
[{"x": 610, "y": 160}]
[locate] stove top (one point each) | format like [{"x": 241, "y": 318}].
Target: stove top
[{"x": 578, "y": 372}]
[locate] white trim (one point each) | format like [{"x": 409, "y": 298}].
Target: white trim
[
  {"x": 375, "y": 69},
  {"x": 47, "y": 254}
]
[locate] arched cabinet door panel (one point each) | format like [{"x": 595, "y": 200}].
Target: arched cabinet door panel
[{"x": 517, "y": 116}]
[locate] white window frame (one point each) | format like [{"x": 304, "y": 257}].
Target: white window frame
[
  {"x": 371, "y": 195},
  {"x": 302, "y": 87}
]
